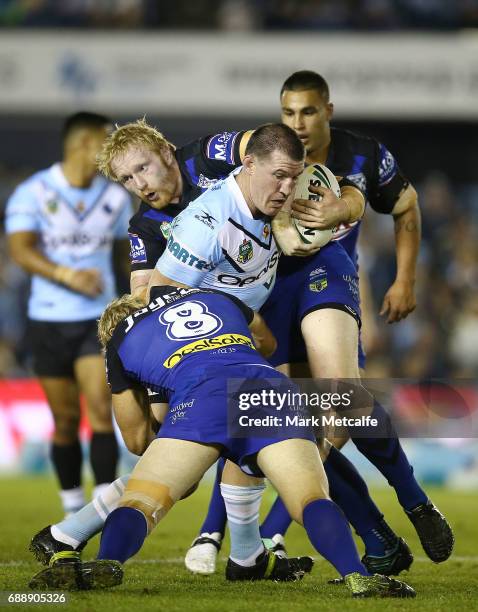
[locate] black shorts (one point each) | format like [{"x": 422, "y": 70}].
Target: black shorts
[{"x": 56, "y": 346}]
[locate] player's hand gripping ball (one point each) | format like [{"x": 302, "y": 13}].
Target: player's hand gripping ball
[{"x": 315, "y": 175}]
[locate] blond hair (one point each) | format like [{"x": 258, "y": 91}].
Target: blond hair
[
  {"x": 115, "y": 312},
  {"x": 124, "y": 137}
]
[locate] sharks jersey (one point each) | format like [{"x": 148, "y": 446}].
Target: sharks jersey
[
  {"x": 76, "y": 228},
  {"x": 201, "y": 163},
  {"x": 216, "y": 243}
]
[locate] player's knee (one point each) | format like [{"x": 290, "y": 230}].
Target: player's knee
[
  {"x": 66, "y": 428},
  {"x": 150, "y": 498},
  {"x": 99, "y": 414}
]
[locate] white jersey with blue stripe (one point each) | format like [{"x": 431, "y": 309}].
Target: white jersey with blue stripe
[
  {"x": 216, "y": 243},
  {"x": 76, "y": 228}
]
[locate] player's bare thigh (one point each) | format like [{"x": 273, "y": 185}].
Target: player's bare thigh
[
  {"x": 233, "y": 475},
  {"x": 331, "y": 339},
  {"x": 296, "y": 472},
  {"x": 168, "y": 469}
]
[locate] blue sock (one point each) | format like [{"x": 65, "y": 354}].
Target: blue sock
[
  {"x": 123, "y": 534},
  {"x": 216, "y": 517},
  {"x": 276, "y": 521},
  {"x": 330, "y": 535},
  {"x": 388, "y": 457},
  {"x": 350, "y": 492}
]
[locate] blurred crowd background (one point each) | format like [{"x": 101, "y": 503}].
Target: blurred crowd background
[
  {"x": 440, "y": 339},
  {"x": 242, "y": 14}
]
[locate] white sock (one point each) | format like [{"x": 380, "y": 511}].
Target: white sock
[
  {"x": 84, "y": 524},
  {"x": 242, "y": 507},
  {"x": 72, "y": 499}
]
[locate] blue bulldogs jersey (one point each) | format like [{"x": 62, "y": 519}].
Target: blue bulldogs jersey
[
  {"x": 216, "y": 243},
  {"x": 201, "y": 163},
  {"x": 177, "y": 337},
  {"x": 76, "y": 228},
  {"x": 189, "y": 346},
  {"x": 371, "y": 167}
]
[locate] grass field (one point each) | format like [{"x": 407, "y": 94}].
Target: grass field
[{"x": 157, "y": 580}]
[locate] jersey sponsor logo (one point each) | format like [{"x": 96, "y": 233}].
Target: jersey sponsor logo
[
  {"x": 80, "y": 239},
  {"x": 387, "y": 168},
  {"x": 318, "y": 272},
  {"x": 205, "y": 183},
  {"x": 206, "y": 218},
  {"x": 52, "y": 206},
  {"x": 165, "y": 228},
  {"x": 184, "y": 256},
  {"x": 178, "y": 413},
  {"x": 352, "y": 282},
  {"x": 189, "y": 320},
  {"x": 266, "y": 230},
  {"x": 207, "y": 344},
  {"x": 80, "y": 207},
  {"x": 137, "y": 251},
  {"x": 217, "y": 147},
  {"x": 240, "y": 281},
  {"x": 246, "y": 252},
  {"x": 359, "y": 180}
]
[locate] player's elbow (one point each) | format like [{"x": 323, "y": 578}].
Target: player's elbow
[{"x": 267, "y": 346}]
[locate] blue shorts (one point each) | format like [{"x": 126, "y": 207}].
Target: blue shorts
[
  {"x": 328, "y": 279},
  {"x": 200, "y": 411}
]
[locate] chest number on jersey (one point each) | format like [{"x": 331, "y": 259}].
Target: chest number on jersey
[{"x": 189, "y": 320}]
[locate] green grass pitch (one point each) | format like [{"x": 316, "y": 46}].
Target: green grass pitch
[{"x": 157, "y": 580}]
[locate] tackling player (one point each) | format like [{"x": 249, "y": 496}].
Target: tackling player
[
  {"x": 153, "y": 346},
  {"x": 62, "y": 225}
]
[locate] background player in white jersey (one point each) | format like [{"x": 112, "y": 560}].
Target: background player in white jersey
[{"x": 62, "y": 225}]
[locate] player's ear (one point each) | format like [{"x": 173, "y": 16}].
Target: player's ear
[
  {"x": 167, "y": 155},
  {"x": 248, "y": 164},
  {"x": 330, "y": 110}
]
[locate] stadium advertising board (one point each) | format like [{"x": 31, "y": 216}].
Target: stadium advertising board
[{"x": 381, "y": 75}]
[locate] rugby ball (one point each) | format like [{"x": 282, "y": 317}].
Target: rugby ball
[{"x": 318, "y": 176}]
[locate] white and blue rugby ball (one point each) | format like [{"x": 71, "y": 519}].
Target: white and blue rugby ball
[{"x": 318, "y": 176}]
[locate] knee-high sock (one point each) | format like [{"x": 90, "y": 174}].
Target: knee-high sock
[
  {"x": 349, "y": 491},
  {"x": 387, "y": 455},
  {"x": 123, "y": 534},
  {"x": 103, "y": 456},
  {"x": 89, "y": 521},
  {"x": 242, "y": 506},
  {"x": 216, "y": 517},
  {"x": 276, "y": 521},
  {"x": 330, "y": 535},
  {"x": 67, "y": 460}
]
